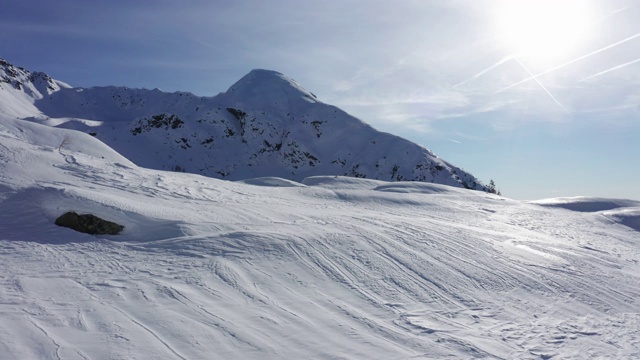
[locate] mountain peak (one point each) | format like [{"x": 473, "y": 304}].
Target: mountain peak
[
  {"x": 266, "y": 124},
  {"x": 268, "y": 84},
  {"x": 265, "y": 72}
]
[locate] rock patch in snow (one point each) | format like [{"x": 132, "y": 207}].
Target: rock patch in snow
[{"x": 89, "y": 224}]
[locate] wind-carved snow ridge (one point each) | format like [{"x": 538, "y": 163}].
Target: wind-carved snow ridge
[
  {"x": 626, "y": 212},
  {"x": 265, "y": 125},
  {"x": 587, "y": 204},
  {"x": 267, "y": 268}
]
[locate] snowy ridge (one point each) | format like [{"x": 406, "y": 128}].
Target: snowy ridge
[
  {"x": 336, "y": 267},
  {"x": 19, "y": 88},
  {"x": 265, "y": 125}
]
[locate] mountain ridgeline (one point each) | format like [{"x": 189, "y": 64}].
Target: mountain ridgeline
[{"x": 263, "y": 125}]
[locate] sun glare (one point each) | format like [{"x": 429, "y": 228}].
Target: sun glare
[{"x": 544, "y": 30}]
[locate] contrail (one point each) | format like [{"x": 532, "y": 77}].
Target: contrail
[
  {"x": 542, "y": 86},
  {"x": 614, "y": 12},
  {"x": 483, "y": 71},
  {"x": 533, "y": 77},
  {"x": 609, "y": 70}
]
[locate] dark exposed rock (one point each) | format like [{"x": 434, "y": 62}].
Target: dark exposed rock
[
  {"x": 88, "y": 224},
  {"x": 158, "y": 122},
  {"x": 237, "y": 113}
]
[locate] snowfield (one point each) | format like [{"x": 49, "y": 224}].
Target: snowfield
[{"x": 330, "y": 268}]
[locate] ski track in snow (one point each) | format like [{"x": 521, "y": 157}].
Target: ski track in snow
[{"x": 337, "y": 269}]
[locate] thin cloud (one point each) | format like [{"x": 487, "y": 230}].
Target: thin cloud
[
  {"x": 33, "y": 28},
  {"x": 447, "y": 99}
]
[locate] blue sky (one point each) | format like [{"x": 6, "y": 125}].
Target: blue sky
[{"x": 543, "y": 98}]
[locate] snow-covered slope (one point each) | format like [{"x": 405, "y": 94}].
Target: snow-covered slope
[
  {"x": 329, "y": 268},
  {"x": 264, "y": 125}
]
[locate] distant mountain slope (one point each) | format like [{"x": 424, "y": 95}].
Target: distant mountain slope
[{"x": 264, "y": 125}]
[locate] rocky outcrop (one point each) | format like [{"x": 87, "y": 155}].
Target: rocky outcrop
[{"x": 88, "y": 224}]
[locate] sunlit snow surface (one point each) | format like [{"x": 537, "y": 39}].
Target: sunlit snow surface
[{"x": 331, "y": 268}]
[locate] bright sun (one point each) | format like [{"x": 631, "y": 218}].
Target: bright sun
[{"x": 544, "y": 30}]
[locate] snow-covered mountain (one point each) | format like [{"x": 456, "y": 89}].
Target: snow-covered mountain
[
  {"x": 327, "y": 268},
  {"x": 264, "y": 125}
]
